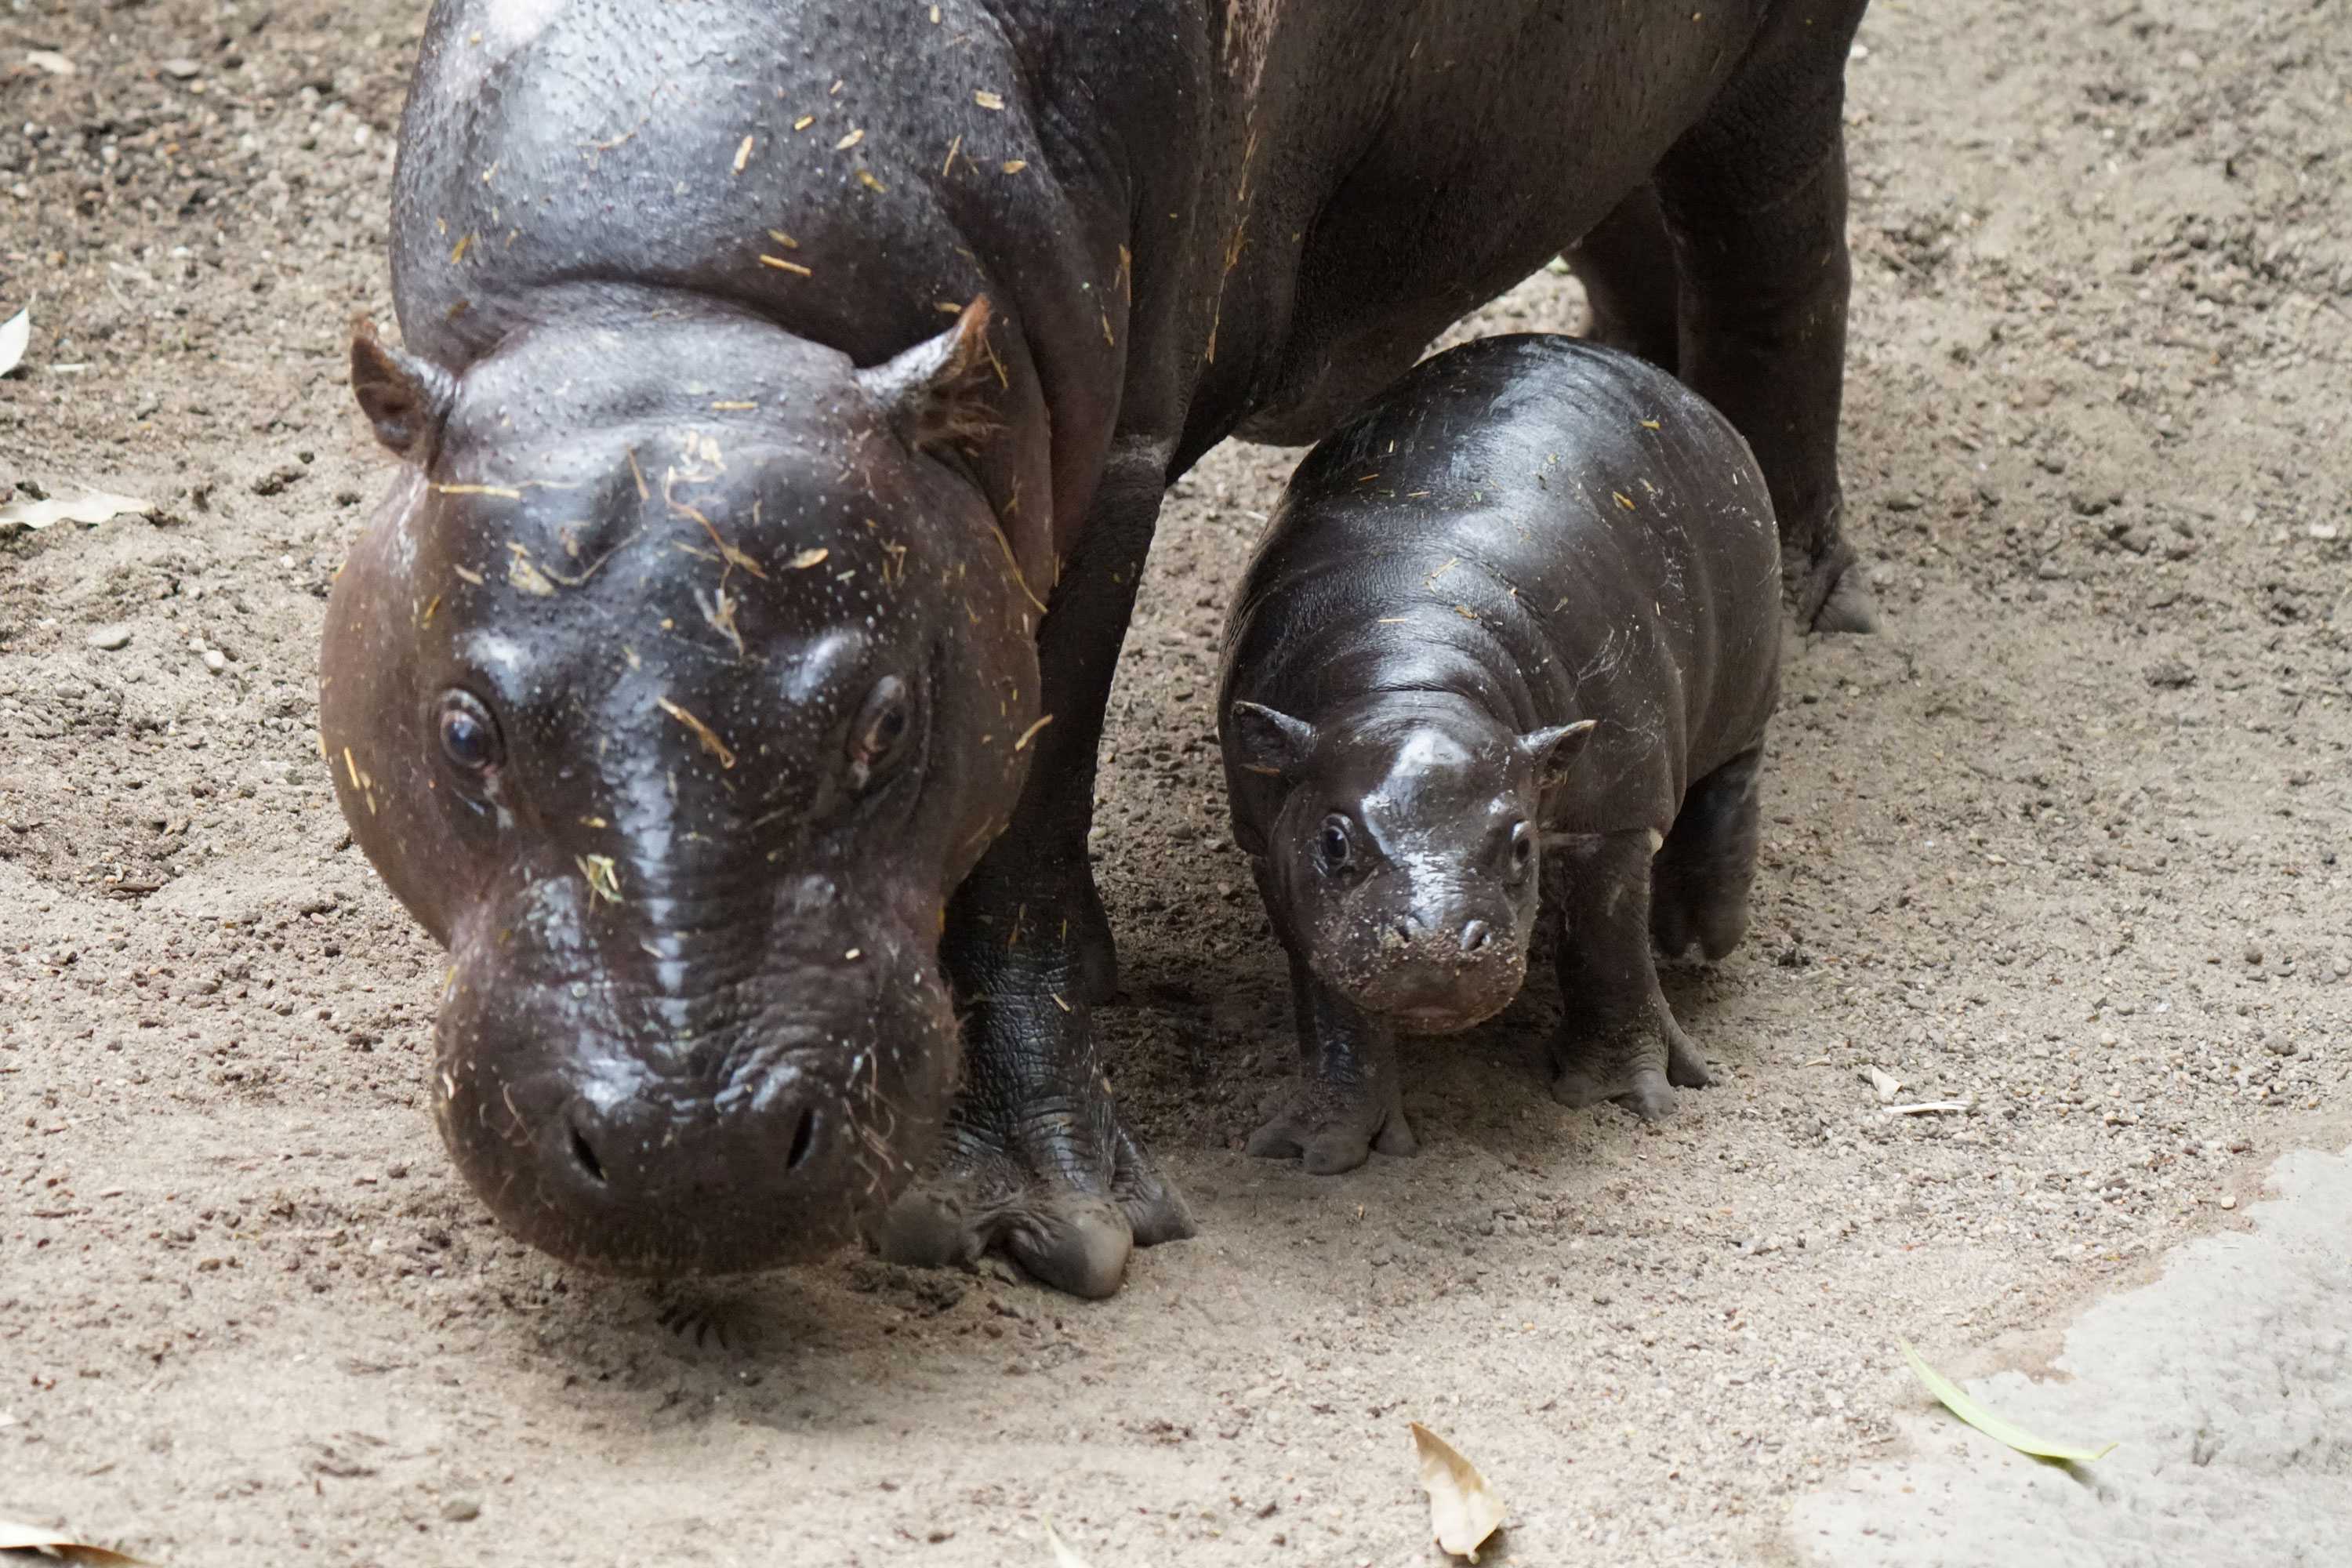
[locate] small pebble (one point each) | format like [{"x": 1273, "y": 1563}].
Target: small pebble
[
  {"x": 2231, "y": 1202},
  {"x": 109, "y": 639},
  {"x": 2254, "y": 952},
  {"x": 459, "y": 1509},
  {"x": 215, "y": 660}
]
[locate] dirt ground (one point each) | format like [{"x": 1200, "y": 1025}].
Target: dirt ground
[{"x": 2064, "y": 841}]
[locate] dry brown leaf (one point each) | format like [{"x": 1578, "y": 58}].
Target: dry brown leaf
[
  {"x": 92, "y": 509},
  {"x": 64, "y": 1548},
  {"x": 1463, "y": 1510},
  {"x": 15, "y": 337}
]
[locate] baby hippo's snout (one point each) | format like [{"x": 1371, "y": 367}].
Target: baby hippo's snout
[{"x": 1437, "y": 970}]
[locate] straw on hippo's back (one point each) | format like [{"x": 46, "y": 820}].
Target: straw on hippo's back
[{"x": 1515, "y": 627}]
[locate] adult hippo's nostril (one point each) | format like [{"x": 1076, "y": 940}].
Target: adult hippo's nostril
[
  {"x": 584, "y": 1153},
  {"x": 1475, "y": 936}
]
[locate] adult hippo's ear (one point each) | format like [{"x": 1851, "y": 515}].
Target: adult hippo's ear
[
  {"x": 1270, "y": 743},
  {"x": 406, "y": 399},
  {"x": 940, "y": 393},
  {"x": 1555, "y": 750}
]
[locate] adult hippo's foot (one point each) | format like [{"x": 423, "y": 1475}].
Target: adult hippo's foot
[
  {"x": 1831, "y": 591},
  {"x": 1035, "y": 1163}
]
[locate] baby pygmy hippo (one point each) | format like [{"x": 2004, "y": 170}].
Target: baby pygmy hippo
[{"x": 1515, "y": 626}]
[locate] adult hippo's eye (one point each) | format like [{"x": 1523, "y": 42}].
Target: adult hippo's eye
[
  {"x": 1523, "y": 851},
  {"x": 877, "y": 738},
  {"x": 1335, "y": 846},
  {"x": 469, "y": 735}
]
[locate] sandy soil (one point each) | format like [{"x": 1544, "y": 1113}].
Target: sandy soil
[{"x": 2062, "y": 841}]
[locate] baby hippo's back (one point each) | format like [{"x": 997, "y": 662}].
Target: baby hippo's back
[{"x": 1551, "y": 528}]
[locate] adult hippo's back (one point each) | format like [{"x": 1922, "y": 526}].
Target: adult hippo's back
[{"x": 788, "y": 395}]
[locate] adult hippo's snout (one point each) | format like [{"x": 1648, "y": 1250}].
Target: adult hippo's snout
[{"x": 616, "y": 1120}]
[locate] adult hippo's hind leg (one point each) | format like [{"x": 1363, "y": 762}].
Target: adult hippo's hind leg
[
  {"x": 1627, "y": 267},
  {"x": 1035, "y": 1162},
  {"x": 1755, "y": 196},
  {"x": 1618, "y": 1039},
  {"x": 1699, "y": 881}
]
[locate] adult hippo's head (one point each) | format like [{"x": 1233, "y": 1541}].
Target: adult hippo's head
[{"x": 680, "y": 680}]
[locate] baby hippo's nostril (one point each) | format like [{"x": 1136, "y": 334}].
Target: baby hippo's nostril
[
  {"x": 803, "y": 1139},
  {"x": 1475, "y": 936}
]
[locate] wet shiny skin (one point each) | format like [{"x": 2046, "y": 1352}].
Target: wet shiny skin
[{"x": 692, "y": 223}]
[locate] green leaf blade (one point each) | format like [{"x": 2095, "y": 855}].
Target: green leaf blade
[{"x": 1956, "y": 1399}]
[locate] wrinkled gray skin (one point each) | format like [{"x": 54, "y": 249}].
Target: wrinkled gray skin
[
  {"x": 1515, "y": 626},
  {"x": 689, "y": 684}
]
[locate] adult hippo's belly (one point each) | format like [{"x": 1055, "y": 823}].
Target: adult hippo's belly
[{"x": 787, "y": 395}]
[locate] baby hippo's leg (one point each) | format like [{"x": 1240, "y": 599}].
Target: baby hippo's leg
[
  {"x": 1348, "y": 1100},
  {"x": 1698, "y": 888},
  {"x": 1618, "y": 1039}
]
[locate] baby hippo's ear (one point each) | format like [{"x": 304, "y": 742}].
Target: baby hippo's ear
[
  {"x": 406, "y": 399},
  {"x": 1265, "y": 741},
  {"x": 1555, "y": 750},
  {"x": 940, "y": 392}
]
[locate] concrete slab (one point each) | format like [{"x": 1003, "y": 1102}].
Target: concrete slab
[{"x": 2227, "y": 1383}]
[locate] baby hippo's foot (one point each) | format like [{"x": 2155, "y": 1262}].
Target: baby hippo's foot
[
  {"x": 1637, "y": 1065},
  {"x": 1334, "y": 1127}
]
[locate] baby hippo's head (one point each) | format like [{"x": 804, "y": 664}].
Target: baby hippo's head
[{"x": 1401, "y": 858}]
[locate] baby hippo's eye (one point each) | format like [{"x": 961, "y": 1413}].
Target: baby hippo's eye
[
  {"x": 1334, "y": 844},
  {"x": 878, "y": 735},
  {"x": 1523, "y": 850},
  {"x": 469, "y": 735}
]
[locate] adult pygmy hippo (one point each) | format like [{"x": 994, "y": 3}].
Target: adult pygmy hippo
[
  {"x": 721, "y": 679},
  {"x": 1515, "y": 626}
]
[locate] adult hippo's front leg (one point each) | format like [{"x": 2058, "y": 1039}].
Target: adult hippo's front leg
[{"x": 1035, "y": 1162}]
